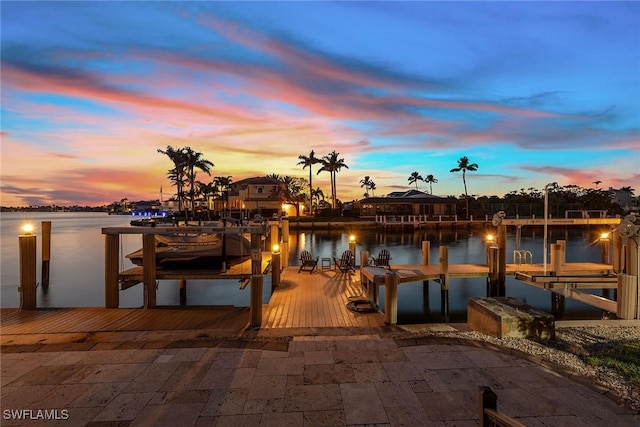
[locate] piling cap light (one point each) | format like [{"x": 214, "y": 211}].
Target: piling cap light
[
  {"x": 490, "y": 238},
  {"x": 604, "y": 236},
  {"x": 352, "y": 238},
  {"x": 27, "y": 229},
  {"x": 276, "y": 248}
]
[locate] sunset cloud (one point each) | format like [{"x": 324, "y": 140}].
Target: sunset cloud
[{"x": 92, "y": 93}]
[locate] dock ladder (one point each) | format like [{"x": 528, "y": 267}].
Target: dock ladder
[{"x": 522, "y": 256}]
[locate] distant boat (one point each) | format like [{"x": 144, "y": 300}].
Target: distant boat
[{"x": 197, "y": 251}]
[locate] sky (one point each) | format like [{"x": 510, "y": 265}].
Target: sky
[{"x": 532, "y": 92}]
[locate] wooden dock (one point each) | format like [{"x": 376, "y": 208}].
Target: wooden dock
[
  {"x": 79, "y": 324},
  {"x": 316, "y": 300}
]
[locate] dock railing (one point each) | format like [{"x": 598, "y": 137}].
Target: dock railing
[{"x": 489, "y": 414}]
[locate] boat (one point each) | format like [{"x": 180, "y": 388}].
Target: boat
[
  {"x": 197, "y": 251},
  {"x": 149, "y": 218}
]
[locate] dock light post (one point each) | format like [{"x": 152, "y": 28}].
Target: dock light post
[
  {"x": 605, "y": 243},
  {"x": 275, "y": 266},
  {"x": 352, "y": 244},
  {"x": 492, "y": 261},
  {"x": 27, "y": 289}
]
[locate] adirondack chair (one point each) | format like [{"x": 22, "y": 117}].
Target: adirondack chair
[
  {"x": 346, "y": 262},
  {"x": 383, "y": 259},
  {"x": 307, "y": 262}
]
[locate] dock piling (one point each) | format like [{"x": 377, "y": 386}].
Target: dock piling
[
  {"x": 111, "y": 270},
  {"x": 255, "y": 299},
  {"x": 444, "y": 282},
  {"x": 27, "y": 289},
  {"x": 149, "y": 269},
  {"x": 391, "y": 298},
  {"x": 46, "y": 252}
]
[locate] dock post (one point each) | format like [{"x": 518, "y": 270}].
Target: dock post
[
  {"x": 46, "y": 252},
  {"x": 616, "y": 242},
  {"x": 493, "y": 285},
  {"x": 605, "y": 245},
  {"x": 627, "y": 296},
  {"x": 563, "y": 251},
  {"x": 426, "y": 259},
  {"x": 502, "y": 259},
  {"x": 444, "y": 282},
  {"x": 149, "y": 269},
  {"x": 352, "y": 246},
  {"x": 391, "y": 298},
  {"x": 364, "y": 261},
  {"x": 556, "y": 259},
  {"x": 284, "y": 250},
  {"x": 488, "y": 400},
  {"x": 255, "y": 303},
  {"x": 27, "y": 289},
  {"x": 183, "y": 292},
  {"x": 557, "y": 305},
  {"x": 275, "y": 268},
  {"x": 274, "y": 233},
  {"x": 111, "y": 268}
]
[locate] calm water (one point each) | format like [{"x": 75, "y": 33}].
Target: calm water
[{"x": 77, "y": 265}]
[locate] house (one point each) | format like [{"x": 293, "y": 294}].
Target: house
[
  {"x": 411, "y": 202},
  {"x": 253, "y": 196}
]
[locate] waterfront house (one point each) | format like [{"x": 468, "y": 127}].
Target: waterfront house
[
  {"x": 253, "y": 196},
  {"x": 411, "y": 202}
]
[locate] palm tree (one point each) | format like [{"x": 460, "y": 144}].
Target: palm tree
[
  {"x": 332, "y": 163},
  {"x": 317, "y": 194},
  {"x": 309, "y": 161},
  {"x": 430, "y": 180},
  {"x": 464, "y": 166},
  {"x": 414, "y": 178},
  {"x": 177, "y": 175},
  {"x": 365, "y": 182},
  {"x": 598, "y": 182},
  {"x": 194, "y": 160},
  {"x": 222, "y": 184},
  {"x": 372, "y": 187}
]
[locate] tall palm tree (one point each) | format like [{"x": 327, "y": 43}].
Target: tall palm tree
[
  {"x": 194, "y": 160},
  {"x": 309, "y": 161},
  {"x": 372, "y": 187},
  {"x": 178, "y": 174},
  {"x": 464, "y": 166},
  {"x": 430, "y": 180},
  {"x": 332, "y": 163},
  {"x": 598, "y": 182},
  {"x": 414, "y": 178}
]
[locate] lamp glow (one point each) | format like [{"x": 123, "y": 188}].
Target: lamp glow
[
  {"x": 490, "y": 238},
  {"x": 352, "y": 238},
  {"x": 27, "y": 229},
  {"x": 276, "y": 248},
  {"x": 604, "y": 236}
]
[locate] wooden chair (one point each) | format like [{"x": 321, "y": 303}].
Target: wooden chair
[
  {"x": 383, "y": 259},
  {"x": 346, "y": 262},
  {"x": 307, "y": 262}
]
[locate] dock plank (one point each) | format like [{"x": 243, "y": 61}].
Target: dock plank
[{"x": 316, "y": 300}]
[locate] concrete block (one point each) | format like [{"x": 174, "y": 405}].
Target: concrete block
[{"x": 508, "y": 317}]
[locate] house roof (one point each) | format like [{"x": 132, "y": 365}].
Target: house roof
[
  {"x": 257, "y": 180},
  {"x": 409, "y": 196}
]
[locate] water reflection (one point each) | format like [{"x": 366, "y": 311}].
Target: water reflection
[{"x": 422, "y": 302}]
